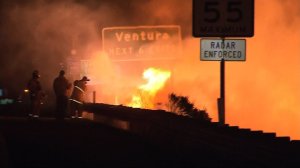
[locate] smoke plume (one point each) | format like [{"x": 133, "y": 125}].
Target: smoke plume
[{"x": 262, "y": 93}]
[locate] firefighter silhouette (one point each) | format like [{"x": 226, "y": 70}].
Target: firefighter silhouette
[
  {"x": 77, "y": 97},
  {"x": 36, "y": 95},
  {"x": 61, "y": 85}
]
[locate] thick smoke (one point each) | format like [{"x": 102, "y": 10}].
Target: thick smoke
[
  {"x": 262, "y": 93},
  {"x": 41, "y": 34}
]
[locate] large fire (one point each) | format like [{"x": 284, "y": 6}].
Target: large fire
[
  {"x": 261, "y": 93},
  {"x": 146, "y": 92}
]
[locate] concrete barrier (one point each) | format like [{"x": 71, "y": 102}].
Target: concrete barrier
[
  {"x": 4, "y": 160},
  {"x": 185, "y": 133},
  {"x": 116, "y": 123}
]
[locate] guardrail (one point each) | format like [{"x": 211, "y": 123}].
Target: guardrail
[{"x": 186, "y": 134}]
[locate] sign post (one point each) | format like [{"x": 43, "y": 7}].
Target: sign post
[
  {"x": 223, "y": 18},
  {"x": 222, "y": 92}
]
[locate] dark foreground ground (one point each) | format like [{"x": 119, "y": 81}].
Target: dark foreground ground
[
  {"x": 144, "y": 138},
  {"x": 74, "y": 143}
]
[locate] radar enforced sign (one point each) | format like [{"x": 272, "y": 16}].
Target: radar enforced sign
[
  {"x": 142, "y": 42},
  {"x": 223, "y": 18},
  {"x": 230, "y": 50}
]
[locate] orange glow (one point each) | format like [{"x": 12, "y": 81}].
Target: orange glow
[
  {"x": 262, "y": 93},
  {"x": 146, "y": 93}
]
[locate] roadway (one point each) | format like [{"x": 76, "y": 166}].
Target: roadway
[{"x": 74, "y": 143}]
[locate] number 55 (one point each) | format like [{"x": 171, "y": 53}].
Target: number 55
[{"x": 213, "y": 14}]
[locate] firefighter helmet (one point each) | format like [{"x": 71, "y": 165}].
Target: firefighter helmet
[
  {"x": 85, "y": 79},
  {"x": 35, "y": 74}
]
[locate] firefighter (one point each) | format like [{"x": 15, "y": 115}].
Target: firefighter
[
  {"x": 77, "y": 97},
  {"x": 61, "y": 85},
  {"x": 35, "y": 92}
]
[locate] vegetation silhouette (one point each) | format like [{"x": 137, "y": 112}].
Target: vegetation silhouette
[{"x": 182, "y": 106}]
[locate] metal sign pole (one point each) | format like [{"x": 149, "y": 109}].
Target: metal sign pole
[
  {"x": 206, "y": 24},
  {"x": 222, "y": 92},
  {"x": 221, "y": 100}
]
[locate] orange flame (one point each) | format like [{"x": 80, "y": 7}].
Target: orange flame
[{"x": 156, "y": 81}]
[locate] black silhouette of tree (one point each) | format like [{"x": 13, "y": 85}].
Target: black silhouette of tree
[{"x": 182, "y": 106}]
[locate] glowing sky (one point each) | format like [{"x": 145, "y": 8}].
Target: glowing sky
[{"x": 262, "y": 93}]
